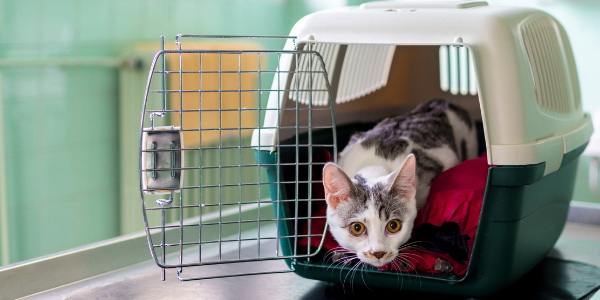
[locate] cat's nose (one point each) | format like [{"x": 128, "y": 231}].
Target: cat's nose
[{"x": 378, "y": 255}]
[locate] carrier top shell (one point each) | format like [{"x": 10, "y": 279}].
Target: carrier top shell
[{"x": 527, "y": 80}]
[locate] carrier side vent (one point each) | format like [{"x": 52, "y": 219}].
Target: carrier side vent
[
  {"x": 366, "y": 69},
  {"x": 457, "y": 71},
  {"x": 353, "y": 71},
  {"x": 307, "y": 84},
  {"x": 553, "y": 83}
]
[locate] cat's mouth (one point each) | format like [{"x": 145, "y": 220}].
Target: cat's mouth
[
  {"x": 378, "y": 259},
  {"x": 379, "y": 263}
]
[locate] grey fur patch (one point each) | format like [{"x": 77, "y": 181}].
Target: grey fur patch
[
  {"x": 429, "y": 168},
  {"x": 426, "y": 126},
  {"x": 360, "y": 179},
  {"x": 356, "y": 203},
  {"x": 386, "y": 202},
  {"x": 355, "y": 138},
  {"x": 463, "y": 150},
  {"x": 462, "y": 114}
]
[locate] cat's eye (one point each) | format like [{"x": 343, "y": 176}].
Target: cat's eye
[
  {"x": 357, "y": 228},
  {"x": 393, "y": 226}
]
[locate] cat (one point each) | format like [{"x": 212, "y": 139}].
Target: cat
[{"x": 384, "y": 175}]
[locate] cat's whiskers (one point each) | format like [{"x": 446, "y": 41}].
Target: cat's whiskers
[
  {"x": 353, "y": 274},
  {"x": 416, "y": 245},
  {"x": 362, "y": 265},
  {"x": 410, "y": 255},
  {"x": 351, "y": 271},
  {"x": 362, "y": 274},
  {"x": 398, "y": 266},
  {"x": 330, "y": 253},
  {"x": 346, "y": 261},
  {"x": 410, "y": 266},
  {"x": 343, "y": 262},
  {"x": 407, "y": 259},
  {"x": 410, "y": 259},
  {"x": 342, "y": 269}
]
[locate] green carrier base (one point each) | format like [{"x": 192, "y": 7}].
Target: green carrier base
[{"x": 523, "y": 214}]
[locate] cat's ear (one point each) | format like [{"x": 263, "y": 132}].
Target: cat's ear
[
  {"x": 338, "y": 186},
  {"x": 403, "y": 182}
]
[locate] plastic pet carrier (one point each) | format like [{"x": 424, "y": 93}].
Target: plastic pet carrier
[{"x": 234, "y": 137}]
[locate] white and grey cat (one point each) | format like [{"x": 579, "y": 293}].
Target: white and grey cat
[{"x": 384, "y": 176}]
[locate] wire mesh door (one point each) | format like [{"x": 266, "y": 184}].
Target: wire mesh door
[{"x": 232, "y": 147}]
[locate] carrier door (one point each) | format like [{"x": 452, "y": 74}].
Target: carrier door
[{"x": 230, "y": 170}]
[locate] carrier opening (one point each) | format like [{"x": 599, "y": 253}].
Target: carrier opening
[{"x": 405, "y": 76}]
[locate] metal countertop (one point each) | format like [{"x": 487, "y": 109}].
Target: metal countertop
[{"x": 579, "y": 242}]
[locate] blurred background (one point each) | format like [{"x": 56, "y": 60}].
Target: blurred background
[{"x": 72, "y": 81}]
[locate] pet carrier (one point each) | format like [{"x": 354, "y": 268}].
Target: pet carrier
[{"x": 256, "y": 127}]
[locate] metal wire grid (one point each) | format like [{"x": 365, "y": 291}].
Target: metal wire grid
[{"x": 223, "y": 198}]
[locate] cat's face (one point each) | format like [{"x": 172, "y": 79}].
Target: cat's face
[{"x": 372, "y": 217}]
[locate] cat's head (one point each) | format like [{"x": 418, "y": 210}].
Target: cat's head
[{"x": 371, "y": 217}]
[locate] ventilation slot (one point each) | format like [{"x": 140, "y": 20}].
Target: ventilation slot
[
  {"x": 353, "y": 70},
  {"x": 309, "y": 85},
  {"x": 365, "y": 70},
  {"x": 457, "y": 71},
  {"x": 541, "y": 38}
]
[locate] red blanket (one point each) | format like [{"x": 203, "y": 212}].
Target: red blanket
[{"x": 444, "y": 229}]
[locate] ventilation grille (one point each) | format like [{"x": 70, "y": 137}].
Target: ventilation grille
[
  {"x": 553, "y": 86},
  {"x": 365, "y": 70},
  {"x": 307, "y": 85},
  {"x": 457, "y": 71},
  {"x": 353, "y": 70}
]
